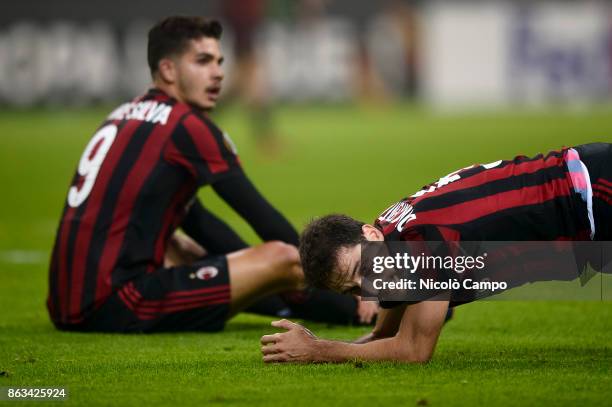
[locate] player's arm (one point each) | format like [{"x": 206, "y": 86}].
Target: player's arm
[
  {"x": 247, "y": 201},
  {"x": 387, "y": 324},
  {"x": 211, "y": 232},
  {"x": 414, "y": 342},
  {"x": 201, "y": 148}
]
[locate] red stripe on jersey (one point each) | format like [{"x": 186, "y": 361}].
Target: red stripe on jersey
[
  {"x": 494, "y": 174},
  {"x": 177, "y": 296},
  {"x": 62, "y": 277},
  {"x": 144, "y": 313},
  {"x": 159, "y": 97},
  {"x": 478, "y": 208},
  {"x": 149, "y": 316},
  {"x": 151, "y": 309},
  {"x": 206, "y": 144},
  {"x": 167, "y": 309},
  {"x": 604, "y": 181},
  {"x": 166, "y": 302},
  {"x": 122, "y": 297},
  {"x": 172, "y": 296},
  {"x": 173, "y": 155},
  {"x": 130, "y": 191},
  {"x": 448, "y": 234},
  {"x": 602, "y": 188},
  {"x": 186, "y": 293},
  {"x": 171, "y": 218},
  {"x": 606, "y": 198},
  {"x": 90, "y": 215}
]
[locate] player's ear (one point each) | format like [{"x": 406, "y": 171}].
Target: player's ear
[
  {"x": 372, "y": 234},
  {"x": 167, "y": 70}
]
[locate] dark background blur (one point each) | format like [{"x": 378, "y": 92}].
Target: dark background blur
[{"x": 443, "y": 53}]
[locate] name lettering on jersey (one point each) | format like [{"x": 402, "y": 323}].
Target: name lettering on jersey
[
  {"x": 452, "y": 177},
  {"x": 147, "y": 111},
  {"x": 401, "y": 213}
]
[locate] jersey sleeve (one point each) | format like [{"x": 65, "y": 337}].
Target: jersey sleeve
[
  {"x": 200, "y": 147},
  {"x": 211, "y": 232}
]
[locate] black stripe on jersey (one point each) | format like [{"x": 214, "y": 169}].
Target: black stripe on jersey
[
  {"x": 529, "y": 222},
  {"x": 431, "y": 232},
  {"x": 72, "y": 236},
  {"x": 490, "y": 188},
  {"x": 73, "y": 230},
  {"x": 219, "y": 136},
  {"x": 70, "y": 244},
  {"x": 139, "y": 242},
  {"x": 109, "y": 202},
  {"x": 182, "y": 141}
]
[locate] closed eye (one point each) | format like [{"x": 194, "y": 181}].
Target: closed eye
[{"x": 205, "y": 59}]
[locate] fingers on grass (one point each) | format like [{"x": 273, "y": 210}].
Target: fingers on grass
[
  {"x": 285, "y": 324},
  {"x": 266, "y": 339},
  {"x": 275, "y": 358},
  {"x": 270, "y": 349}
]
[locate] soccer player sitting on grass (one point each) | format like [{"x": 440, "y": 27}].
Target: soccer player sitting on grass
[
  {"x": 136, "y": 183},
  {"x": 566, "y": 195}
]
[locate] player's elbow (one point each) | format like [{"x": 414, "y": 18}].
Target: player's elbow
[
  {"x": 415, "y": 356},
  {"x": 423, "y": 356},
  {"x": 415, "y": 352}
]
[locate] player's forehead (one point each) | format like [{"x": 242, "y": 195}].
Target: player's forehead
[{"x": 203, "y": 46}]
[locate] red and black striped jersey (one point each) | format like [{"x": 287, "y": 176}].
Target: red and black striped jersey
[
  {"x": 131, "y": 190},
  {"x": 508, "y": 200}
]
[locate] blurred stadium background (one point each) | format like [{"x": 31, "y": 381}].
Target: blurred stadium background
[
  {"x": 336, "y": 106},
  {"x": 445, "y": 53}
]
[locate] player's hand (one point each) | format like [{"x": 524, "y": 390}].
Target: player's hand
[
  {"x": 297, "y": 345},
  {"x": 366, "y": 310}
]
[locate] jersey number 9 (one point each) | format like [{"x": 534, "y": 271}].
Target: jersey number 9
[{"x": 90, "y": 163}]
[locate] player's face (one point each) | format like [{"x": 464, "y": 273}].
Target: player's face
[
  {"x": 199, "y": 73},
  {"x": 347, "y": 274}
]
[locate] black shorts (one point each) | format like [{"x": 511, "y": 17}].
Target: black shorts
[
  {"x": 186, "y": 298},
  {"x": 598, "y": 159}
]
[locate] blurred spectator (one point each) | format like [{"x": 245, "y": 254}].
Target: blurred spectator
[
  {"x": 388, "y": 59},
  {"x": 245, "y": 18}
]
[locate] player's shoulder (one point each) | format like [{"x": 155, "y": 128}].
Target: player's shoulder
[
  {"x": 197, "y": 123},
  {"x": 196, "y": 118}
]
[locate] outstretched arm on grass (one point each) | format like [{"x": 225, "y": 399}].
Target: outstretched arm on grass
[{"x": 414, "y": 341}]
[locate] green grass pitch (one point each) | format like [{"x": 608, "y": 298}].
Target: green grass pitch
[{"x": 329, "y": 159}]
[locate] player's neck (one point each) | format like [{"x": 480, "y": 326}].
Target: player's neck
[
  {"x": 168, "y": 90},
  {"x": 171, "y": 91}
]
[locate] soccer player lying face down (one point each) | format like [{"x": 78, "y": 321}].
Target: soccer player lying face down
[{"x": 330, "y": 251}]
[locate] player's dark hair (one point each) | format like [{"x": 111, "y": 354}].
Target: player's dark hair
[
  {"x": 320, "y": 243},
  {"x": 171, "y": 35}
]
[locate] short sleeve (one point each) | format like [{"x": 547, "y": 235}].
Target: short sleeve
[{"x": 203, "y": 150}]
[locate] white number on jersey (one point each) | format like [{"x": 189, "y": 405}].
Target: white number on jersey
[{"x": 90, "y": 165}]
